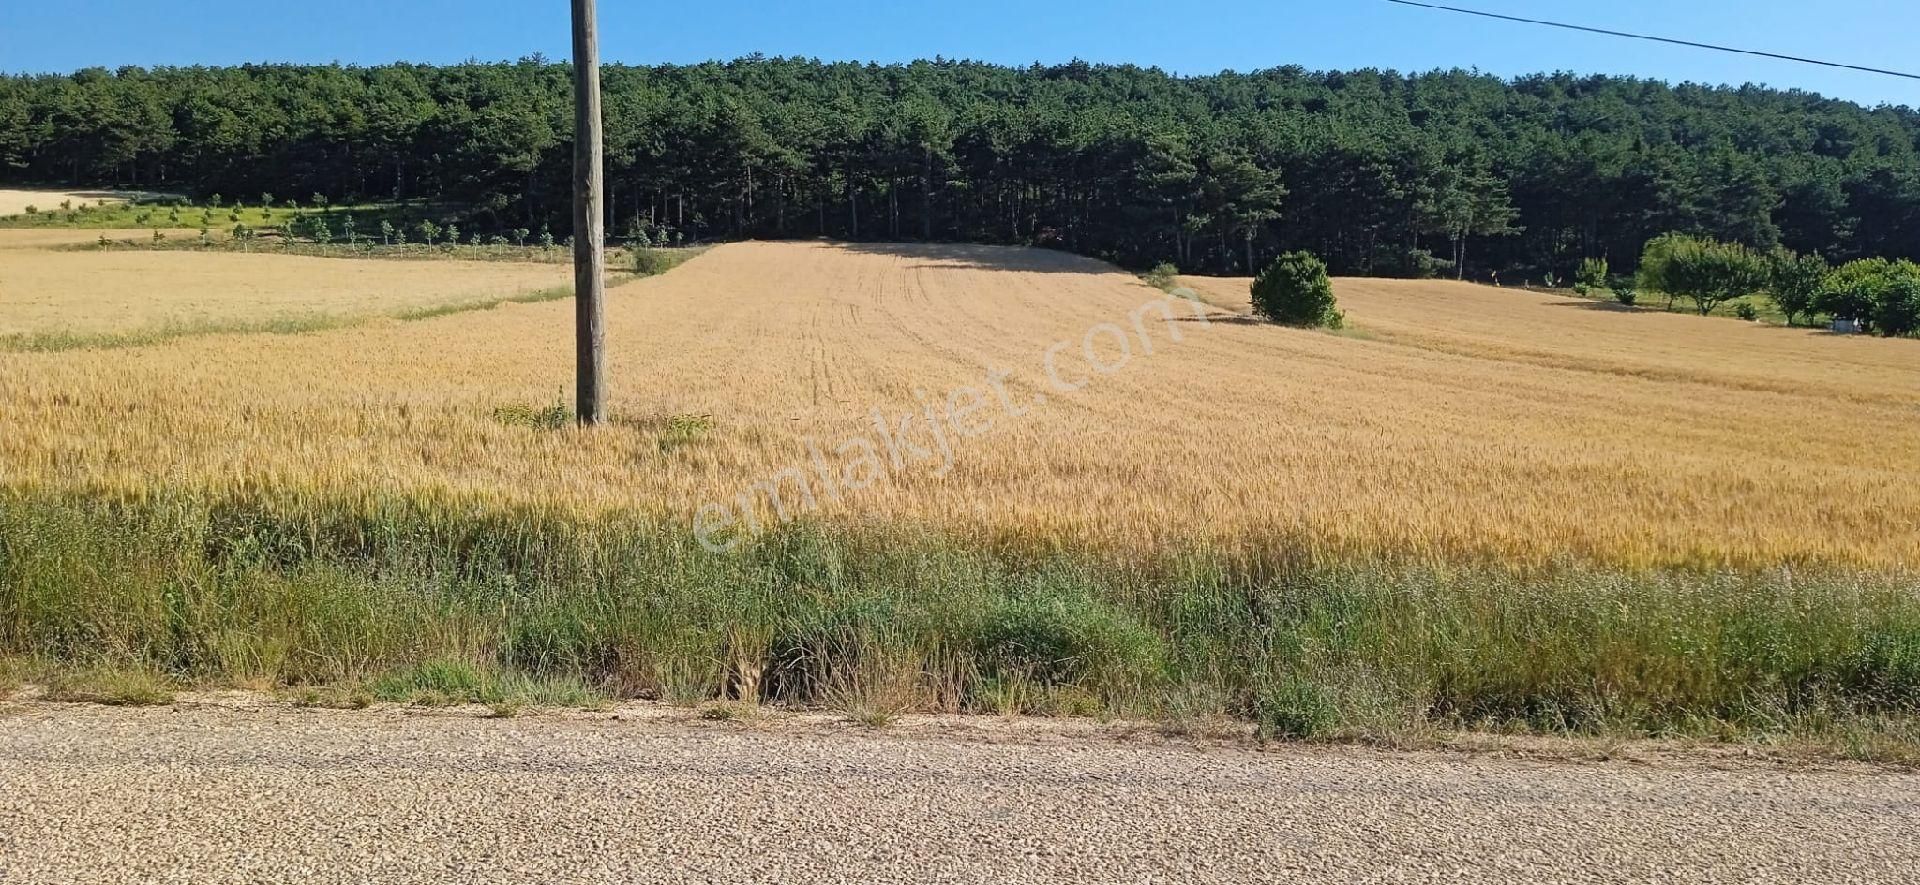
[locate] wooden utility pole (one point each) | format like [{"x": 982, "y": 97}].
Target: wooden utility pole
[{"x": 589, "y": 226}]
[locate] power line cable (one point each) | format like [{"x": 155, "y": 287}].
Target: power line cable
[{"x": 1690, "y": 43}]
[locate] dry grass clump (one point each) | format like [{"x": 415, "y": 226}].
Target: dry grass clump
[
  {"x": 1459, "y": 423},
  {"x": 120, "y": 686}
]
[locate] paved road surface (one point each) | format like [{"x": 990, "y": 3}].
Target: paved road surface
[{"x": 91, "y": 794}]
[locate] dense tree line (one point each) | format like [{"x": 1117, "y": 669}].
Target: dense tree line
[{"x": 1374, "y": 171}]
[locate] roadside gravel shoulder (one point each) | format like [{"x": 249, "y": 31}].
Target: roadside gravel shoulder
[{"x": 235, "y": 788}]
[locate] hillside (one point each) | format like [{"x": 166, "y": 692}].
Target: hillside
[{"x": 1376, "y": 171}]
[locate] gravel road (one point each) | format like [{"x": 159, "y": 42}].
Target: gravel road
[{"x": 205, "y": 794}]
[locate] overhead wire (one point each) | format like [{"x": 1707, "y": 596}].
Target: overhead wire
[{"x": 1671, "y": 40}]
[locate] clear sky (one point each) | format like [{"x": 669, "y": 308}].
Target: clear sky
[{"x": 1185, "y": 36}]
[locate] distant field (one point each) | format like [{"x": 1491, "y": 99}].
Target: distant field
[
  {"x": 1590, "y": 340},
  {"x": 1473, "y": 507},
  {"x": 50, "y": 292}
]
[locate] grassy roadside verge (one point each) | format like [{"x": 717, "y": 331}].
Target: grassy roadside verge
[{"x": 440, "y": 602}]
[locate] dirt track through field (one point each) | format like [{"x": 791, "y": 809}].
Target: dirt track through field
[
  {"x": 1452, "y": 420},
  {"x": 100, "y": 795}
]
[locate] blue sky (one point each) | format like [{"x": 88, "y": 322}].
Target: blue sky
[{"x": 1191, "y": 37}]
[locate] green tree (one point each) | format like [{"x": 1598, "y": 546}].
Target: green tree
[
  {"x": 1852, "y": 289},
  {"x": 1883, "y": 295},
  {"x": 1592, "y": 275},
  {"x": 1794, "y": 281},
  {"x": 1294, "y": 290},
  {"x": 1129, "y": 164},
  {"x": 1467, "y": 203},
  {"x": 1897, "y": 309},
  {"x": 1709, "y": 272}
]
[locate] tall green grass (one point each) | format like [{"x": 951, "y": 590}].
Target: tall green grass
[{"x": 455, "y": 601}]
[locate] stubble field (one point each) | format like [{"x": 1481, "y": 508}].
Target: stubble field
[{"x": 978, "y": 477}]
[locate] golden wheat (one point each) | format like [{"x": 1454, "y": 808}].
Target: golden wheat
[
  {"x": 1452, "y": 421},
  {"x": 46, "y": 291}
]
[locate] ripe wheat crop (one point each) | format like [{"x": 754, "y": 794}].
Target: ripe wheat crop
[
  {"x": 54, "y": 292},
  {"x": 1450, "y": 422},
  {"x": 989, "y": 479}
]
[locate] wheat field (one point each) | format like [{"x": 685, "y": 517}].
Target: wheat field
[
  {"x": 51, "y": 291},
  {"x": 1449, "y": 423}
]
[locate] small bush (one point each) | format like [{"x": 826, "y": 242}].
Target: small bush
[
  {"x": 684, "y": 430},
  {"x": 1293, "y": 709},
  {"x": 1164, "y": 276},
  {"x": 1744, "y": 310},
  {"x": 553, "y": 417},
  {"x": 648, "y": 261},
  {"x": 1592, "y": 274},
  {"x": 1294, "y": 290},
  {"x": 1626, "y": 295},
  {"x": 1067, "y": 639}
]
